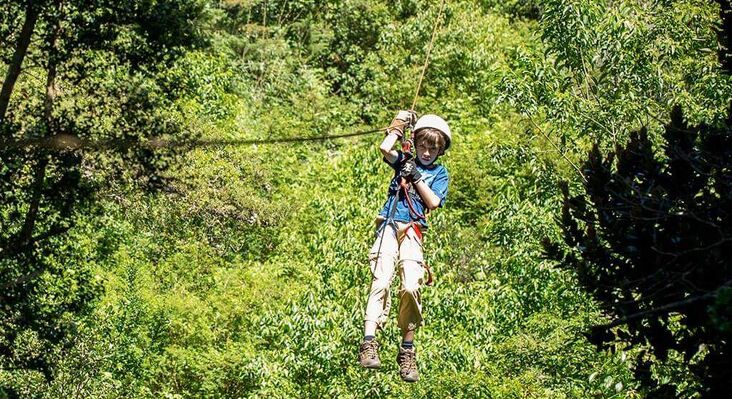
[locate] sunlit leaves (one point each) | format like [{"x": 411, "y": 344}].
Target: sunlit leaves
[{"x": 610, "y": 67}]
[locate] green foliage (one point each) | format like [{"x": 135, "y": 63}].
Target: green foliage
[
  {"x": 97, "y": 63},
  {"x": 195, "y": 320},
  {"x": 245, "y": 274},
  {"x": 607, "y": 68}
]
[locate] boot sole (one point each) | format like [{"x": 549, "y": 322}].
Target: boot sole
[{"x": 371, "y": 365}]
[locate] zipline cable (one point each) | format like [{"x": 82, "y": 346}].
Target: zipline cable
[{"x": 71, "y": 142}]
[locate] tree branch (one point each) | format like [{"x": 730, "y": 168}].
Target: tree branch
[
  {"x": 557, "y": 148},
  {"x": 665, "y": 308},
  {"x": 31, "y": 16}
]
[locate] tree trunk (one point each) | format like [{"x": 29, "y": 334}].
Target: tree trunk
[
  {"x": 26, "y": 234},
  {"x": 51, "y": 90},
  {"x": 31, "y": 16}
]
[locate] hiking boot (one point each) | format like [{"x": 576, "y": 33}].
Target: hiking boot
[
  {"x": 368, "y": 354},
  {"x": 407, "y": 360}
]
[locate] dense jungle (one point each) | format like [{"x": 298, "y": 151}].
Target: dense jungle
[{"x": 176, "y": 220}]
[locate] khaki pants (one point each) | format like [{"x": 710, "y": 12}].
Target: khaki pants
[{"x": 403, "y": 248}]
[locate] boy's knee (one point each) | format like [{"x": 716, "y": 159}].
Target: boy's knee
[
  {"x": 410, "y": 292},
  {"x": 412, "y": 273}
]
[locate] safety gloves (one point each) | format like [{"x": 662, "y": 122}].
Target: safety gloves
[
  {"x": 408, "y": 168},
  {"x": 400, "y": 121},
  {"x": 409, "y": 171}
]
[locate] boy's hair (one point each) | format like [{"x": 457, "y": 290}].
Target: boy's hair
[{"x": 432, "y": 137}]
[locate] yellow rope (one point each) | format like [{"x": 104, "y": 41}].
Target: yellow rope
[{"x": 429, "y": 52}]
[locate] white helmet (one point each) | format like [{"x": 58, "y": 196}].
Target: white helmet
[{"x": 434, "y": 122}]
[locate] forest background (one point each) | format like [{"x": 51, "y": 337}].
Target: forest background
[{"x": 135, "y": 270}]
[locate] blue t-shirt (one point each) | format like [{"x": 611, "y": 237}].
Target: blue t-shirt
[{"x": 435, "y": 176}]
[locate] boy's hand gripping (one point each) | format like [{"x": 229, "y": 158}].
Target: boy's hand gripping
[
  {"x": 402, "y": 120},
  {"x": 409, "y": 171}
]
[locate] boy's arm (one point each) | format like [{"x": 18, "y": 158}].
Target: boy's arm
[
  {"x": 430, "y": 199},
  {"x": 387, "y": 148},
  {"x": 394, "y": 133}
]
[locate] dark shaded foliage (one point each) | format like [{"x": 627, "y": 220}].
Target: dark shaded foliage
[
  {"x": 515, "y": 9},
  {"x": 652, "y": 241}
]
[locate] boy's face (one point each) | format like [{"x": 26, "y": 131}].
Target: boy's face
[{"x": 427, "y": 153}]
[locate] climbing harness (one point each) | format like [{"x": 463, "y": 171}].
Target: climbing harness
[
  {"x": 407, "y": 151},
  {"x": 417, "y": 232}
]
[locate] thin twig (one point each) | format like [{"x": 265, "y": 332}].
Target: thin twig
[{"x": 539, "y": 129}]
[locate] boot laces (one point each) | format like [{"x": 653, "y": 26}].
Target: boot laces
[
  {"x": 408, "y": 360},
  {"x": 369, "y": 349}
]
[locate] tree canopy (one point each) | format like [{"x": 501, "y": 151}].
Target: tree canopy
[{"x": 589, "y": 196}]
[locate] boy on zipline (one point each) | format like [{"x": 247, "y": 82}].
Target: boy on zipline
[{"x": 399, "y": 237}]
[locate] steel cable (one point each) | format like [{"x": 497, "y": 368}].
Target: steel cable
[{"x": 61, "y": 142}]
